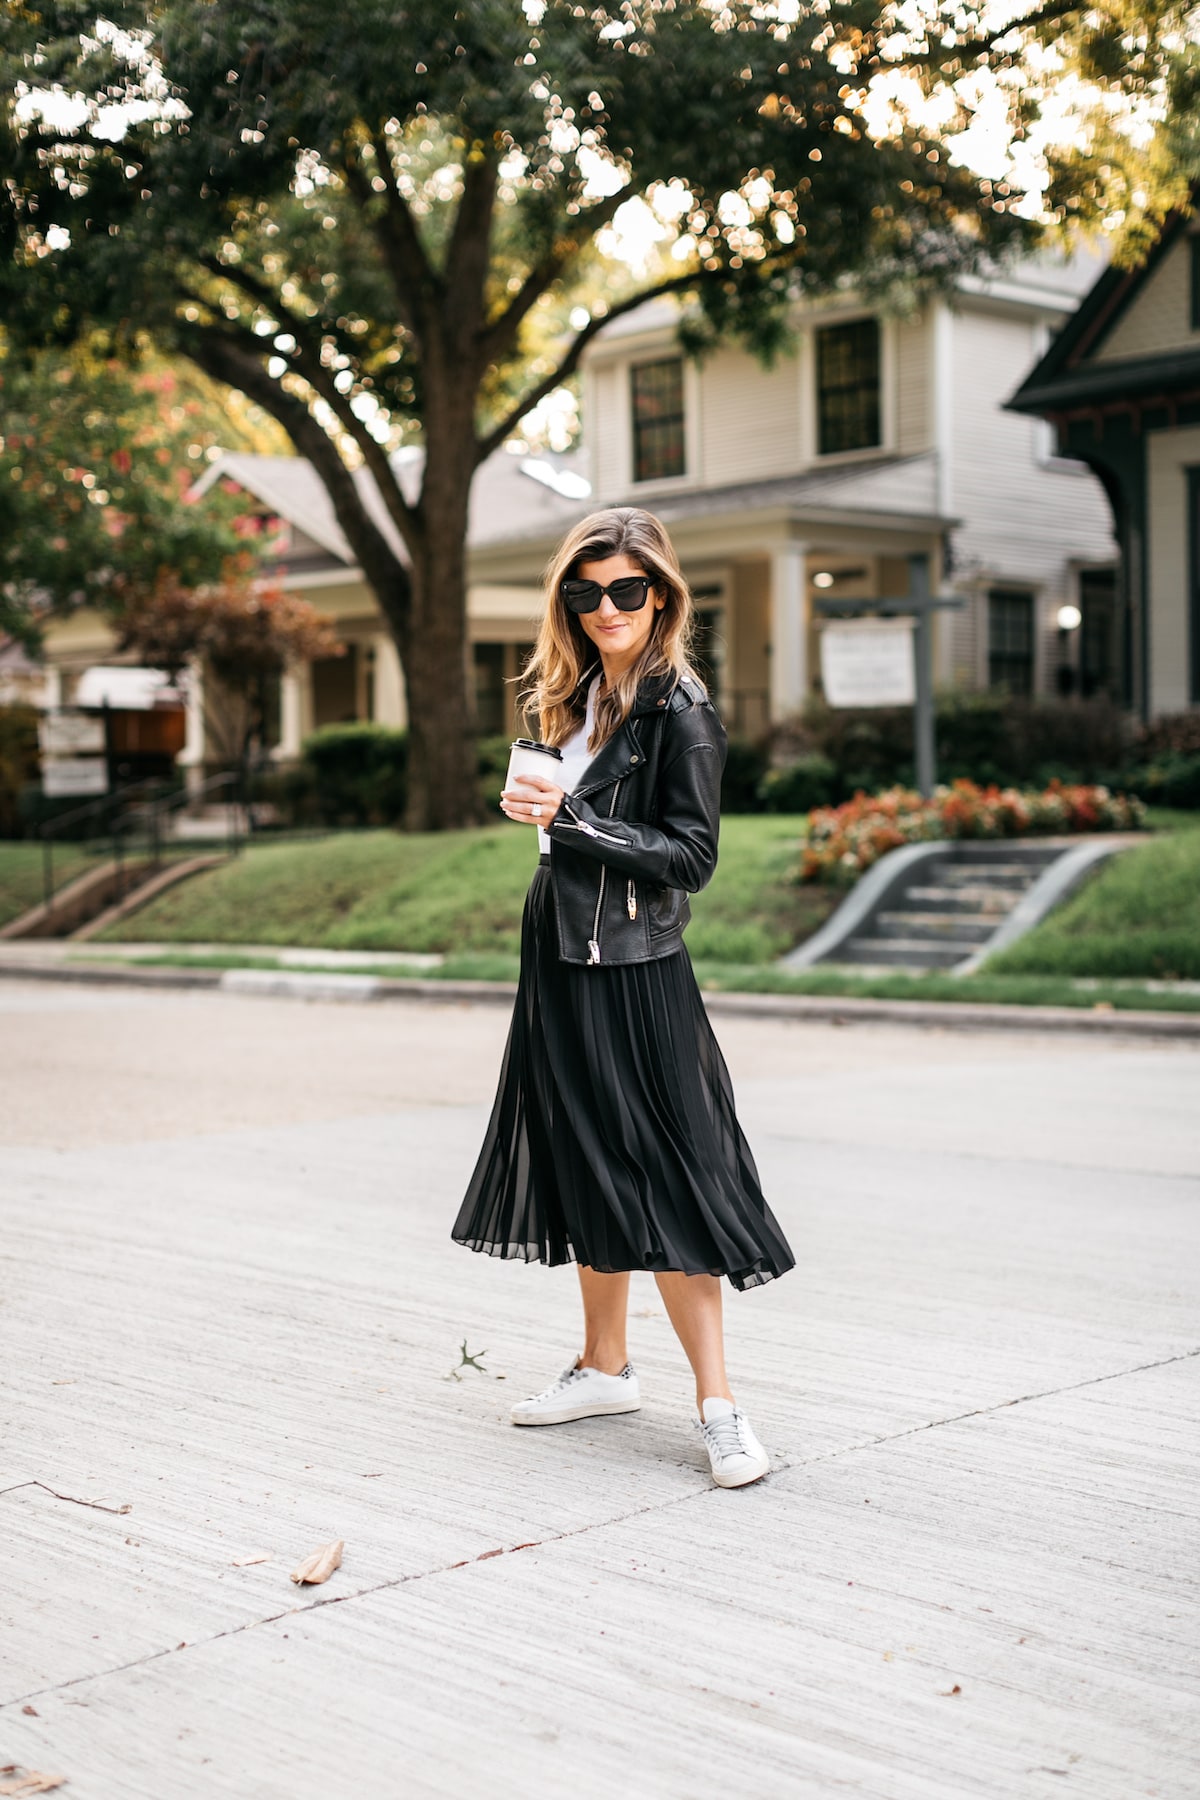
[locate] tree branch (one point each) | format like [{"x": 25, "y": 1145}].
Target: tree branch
[
  {"x": 468, "y": 255},
  {"x": 220, "y": 354},
  {"x": 978, "y": 46},
  {"x": 501, "y": 333},
  {"x": 570, "y": 361},
  {"x": 308, "y": 364},
  {"x": 418, "y": 287}
]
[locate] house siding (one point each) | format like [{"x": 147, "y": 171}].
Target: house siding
[
  {"x": 749, "y": 418},
  {"x": 607, "y": 427},
  {"x": 914, "y": 384},
  {"x": 1158, "y": 318},
  {"x": 1025, "y": 521}
]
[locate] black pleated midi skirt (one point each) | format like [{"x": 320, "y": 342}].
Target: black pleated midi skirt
[{"x": 613, "y": 1139}]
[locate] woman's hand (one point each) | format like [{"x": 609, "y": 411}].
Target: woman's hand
[{"x": 531, "y": 800}]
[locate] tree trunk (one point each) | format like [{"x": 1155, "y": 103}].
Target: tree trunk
[{"x": 443, "y": 786}]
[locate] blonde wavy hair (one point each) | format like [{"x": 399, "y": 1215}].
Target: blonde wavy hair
[{"x": 564, "y": 655}]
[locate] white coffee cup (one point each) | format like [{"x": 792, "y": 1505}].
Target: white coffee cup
[{"x": 528, "y": 757}]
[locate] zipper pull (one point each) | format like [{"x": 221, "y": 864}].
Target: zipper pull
[
  {"x": 631, "y": 901},
  {"x": 593, "y": 951}
]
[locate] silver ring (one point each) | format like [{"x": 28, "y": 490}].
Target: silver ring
[{"x": 536, "y": 811}]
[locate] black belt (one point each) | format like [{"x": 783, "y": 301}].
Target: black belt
[{"x": 544, "y": 856}]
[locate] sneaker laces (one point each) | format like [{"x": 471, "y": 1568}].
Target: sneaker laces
[
  {"x": 564, "y": 1381},
  {"x": 725, "y": 1434}
]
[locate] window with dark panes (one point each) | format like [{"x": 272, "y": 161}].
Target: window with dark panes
[
  {"x": 1010, "y": 640},
  {"x": 848, "y": 407},
  {"x": 658, "y": 443}
]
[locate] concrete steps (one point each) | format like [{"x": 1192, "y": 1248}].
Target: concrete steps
[{"x": 952, "y": 906}]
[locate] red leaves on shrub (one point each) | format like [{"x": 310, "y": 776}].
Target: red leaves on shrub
[{"x": 843, "y": 841}]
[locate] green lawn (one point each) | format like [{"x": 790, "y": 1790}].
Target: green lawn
[
  {"x": 461, "y": 893},
  {"x": 1138, "y": 917},
  {"x": 21, "y": 874},
  {"x": 750, "y": 978}
]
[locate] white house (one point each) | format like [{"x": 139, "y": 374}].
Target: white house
[{"x": 814, "y": 478}]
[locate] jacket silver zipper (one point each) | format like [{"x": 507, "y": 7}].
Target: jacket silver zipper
[
  {"x": 631, "y": 900},
  {"x": 594, "y": 940},
  {"x": 590, "y": 830}
]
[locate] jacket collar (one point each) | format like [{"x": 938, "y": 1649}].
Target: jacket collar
[
  {"x": 622, "y": 754},
  {"x": 653, "y": 693}
]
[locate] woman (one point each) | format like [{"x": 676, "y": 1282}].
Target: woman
[{"x": 613, "y": 1141}]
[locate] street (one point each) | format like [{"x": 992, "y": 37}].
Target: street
[{"x": 230, "y": 1305}]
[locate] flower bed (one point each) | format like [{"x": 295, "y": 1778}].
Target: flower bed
[{"x": 844, "y": 841}]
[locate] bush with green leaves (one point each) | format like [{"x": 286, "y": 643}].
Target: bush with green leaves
[
  {"x": 358, "y": 773},
  {"x": 800, "y": 786}
]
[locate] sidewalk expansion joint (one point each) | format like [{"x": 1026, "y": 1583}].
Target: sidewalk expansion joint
[
  {"x": 982, "y": 1412},
  {"x": 780, "y": 1467}
]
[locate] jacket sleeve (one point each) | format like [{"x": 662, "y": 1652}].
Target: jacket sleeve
[{"x": 679, "y": 852}]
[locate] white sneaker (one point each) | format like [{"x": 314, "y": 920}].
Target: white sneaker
[
  {"x": 580, "y": 1394},
  {"x": 733, "y": 1450}
]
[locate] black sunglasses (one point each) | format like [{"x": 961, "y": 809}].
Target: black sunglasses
[{"x": 629, "y": 594}]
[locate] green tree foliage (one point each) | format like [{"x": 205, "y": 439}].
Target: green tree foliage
[
  {"x": 358, "y": 217},
  {"x": 95, "y": 462}
]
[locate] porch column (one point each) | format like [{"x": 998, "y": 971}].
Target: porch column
[
  {"x": 389, "y": 684},
  {"x": 291, "y": 709},
  {"x": 191, "y": 758},
  {"x": 789, "y": 630}
]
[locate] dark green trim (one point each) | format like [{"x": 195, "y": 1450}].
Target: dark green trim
[
  {"x": 1095, "y": 317},
  {"x": 1193, "y": 501},
  {"x": 1148, "y": 379}
]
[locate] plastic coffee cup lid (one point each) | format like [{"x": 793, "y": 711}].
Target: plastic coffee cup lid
[{"x": 532, "y": 744}]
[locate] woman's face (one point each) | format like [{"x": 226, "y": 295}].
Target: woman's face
[{"x": 619, "y": 636}]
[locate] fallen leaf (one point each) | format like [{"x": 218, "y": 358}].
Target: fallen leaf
[
  {"x": 245, "y": 1562},
  {"x": 321, "y": 1564},
  {"x": 956, "y": 1689},
  {"x": 32, "y": 1783},
  {"x": 32, "y": 1711},
  {"x": 1103, "y": 1006}
]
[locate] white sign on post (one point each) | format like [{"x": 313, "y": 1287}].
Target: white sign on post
[
  {"x": 68, "y": 732},
  {"x": 74, "y": 775},
  {"x": 868, "y": 662}
]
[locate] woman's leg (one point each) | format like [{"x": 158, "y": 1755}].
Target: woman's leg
[
  {"x": 693, "y": 1304},
  {"x": 605, "y": 1307}
]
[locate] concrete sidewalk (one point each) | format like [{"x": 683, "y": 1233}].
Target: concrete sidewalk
[{"x": 230, "y": 1304}]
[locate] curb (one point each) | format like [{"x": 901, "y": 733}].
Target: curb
[{"x": 938, "y": 1015}]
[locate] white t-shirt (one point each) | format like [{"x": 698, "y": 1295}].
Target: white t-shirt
[{"x": 575, "y": 757}]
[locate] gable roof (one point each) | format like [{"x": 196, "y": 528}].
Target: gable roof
[
  {"x": 511, "y": 496},
  {"x": 1070, "y": 375}
]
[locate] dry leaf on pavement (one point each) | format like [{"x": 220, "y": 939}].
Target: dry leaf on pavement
[
  {"x": 321, "y": 1564},
  {"x": 32, "y": 1782}
]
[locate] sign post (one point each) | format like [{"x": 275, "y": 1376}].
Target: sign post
[{"x": 871, "y": 671}]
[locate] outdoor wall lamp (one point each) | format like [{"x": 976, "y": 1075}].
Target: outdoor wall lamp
[{"x": 1069, "y": 617}]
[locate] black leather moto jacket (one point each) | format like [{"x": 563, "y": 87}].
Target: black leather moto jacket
[{"x": 639, "y": 834}]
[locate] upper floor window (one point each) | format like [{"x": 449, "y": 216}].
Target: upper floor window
[
  {"x": 658, "y": 443},
  {"x": 1010, "y": 640},
  {"x": 848, "y": 409}
]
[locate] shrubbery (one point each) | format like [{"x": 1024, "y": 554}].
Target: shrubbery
[
  {"x": 827, "y": 755},
  {"x": 844, "y": 841}
]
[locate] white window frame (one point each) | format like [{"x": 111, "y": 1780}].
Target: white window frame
[
  {"x": 888, "y": 355},
  {"x": 665, "y": 484}
]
